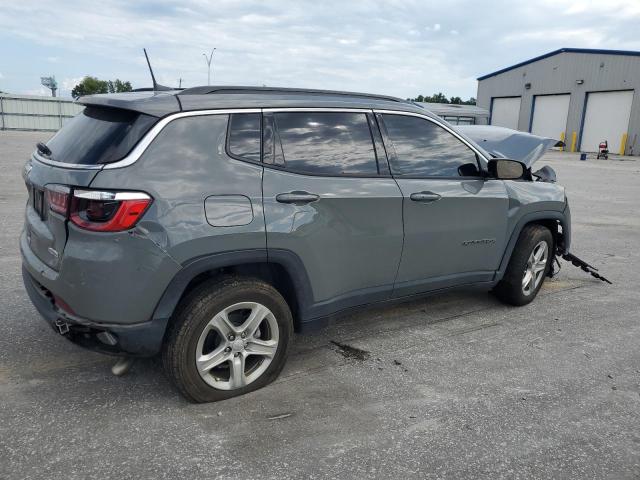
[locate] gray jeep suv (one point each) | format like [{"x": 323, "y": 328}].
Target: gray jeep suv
[{"x": 210, "y": 223}]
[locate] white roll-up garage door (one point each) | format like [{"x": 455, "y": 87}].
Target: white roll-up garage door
[
  {"x": 505, "y": 112},
  {"x": 606, "y": 118},
  {"x": 550, "y": 115}
]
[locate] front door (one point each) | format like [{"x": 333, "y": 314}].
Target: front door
[
  {"x": 327, "y": 201},
  {"x": 455, "y": 221}
]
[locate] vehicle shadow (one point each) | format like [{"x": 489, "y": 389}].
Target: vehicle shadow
[{"x": 75, "y": 374}]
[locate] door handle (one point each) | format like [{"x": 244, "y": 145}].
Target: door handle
[
  {"x": 425, "y": 197},
  {"x": 297, "y": 197}
]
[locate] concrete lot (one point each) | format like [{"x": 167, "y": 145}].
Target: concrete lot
[{"x": 456, "y": 386}]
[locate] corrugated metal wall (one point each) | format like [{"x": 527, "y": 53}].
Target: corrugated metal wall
[
  {"x": 22, "y": 112},
  {"x": 572, "y": 73}
]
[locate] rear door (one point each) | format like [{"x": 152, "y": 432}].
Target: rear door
[
  {"x": 329, "y": 201},
  {"x": 455, "y": 221}
]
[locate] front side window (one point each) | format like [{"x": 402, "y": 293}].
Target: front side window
[
  {"x": 326, "y": 143},
  {"x": 244, "y": 136},
  {"x": 424, "y": 149}
]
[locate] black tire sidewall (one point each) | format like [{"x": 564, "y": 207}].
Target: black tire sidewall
[{"x": 510, "y": 288}]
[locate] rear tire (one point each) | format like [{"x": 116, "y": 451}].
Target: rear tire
[
  {"x": 529, "y": 264},
  {"x": 228, "y": 337}
]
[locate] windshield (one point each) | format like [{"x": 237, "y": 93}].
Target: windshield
[{"x": 99, "y": 135}]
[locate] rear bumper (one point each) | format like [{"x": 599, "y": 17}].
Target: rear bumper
[{"x": 141, "y": 339}]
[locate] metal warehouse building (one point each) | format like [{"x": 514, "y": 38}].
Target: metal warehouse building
[{"x": 582, "y": 96}]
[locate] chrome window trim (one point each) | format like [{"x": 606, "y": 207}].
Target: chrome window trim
[
  {"x": 36, "y": 156},
  {"x": 142, "y": 145},
  {"x": 433, "y": 120},
  {"x": 140, "y": 148},
  {"x": 150, "y": 136}
]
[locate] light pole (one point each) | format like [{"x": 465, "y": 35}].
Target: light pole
[{"x": 208, "y": 59}]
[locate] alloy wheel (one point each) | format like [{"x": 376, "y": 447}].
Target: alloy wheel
[
  {"x": 535, "y": 269},
  {"x": 237, "y": 345}
]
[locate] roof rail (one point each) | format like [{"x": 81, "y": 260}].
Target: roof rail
[
  {"x": 267, "y": 90},
  {"x": 150, "y": 89}
]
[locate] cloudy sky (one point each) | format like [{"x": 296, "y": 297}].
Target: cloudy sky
[{"x": 401, "y": 48}]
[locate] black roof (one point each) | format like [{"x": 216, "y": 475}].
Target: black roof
[
  {"x": 281, "y": 90},
  {"x": 220, "y": 97},
  {"x": 562, "y": 50}
]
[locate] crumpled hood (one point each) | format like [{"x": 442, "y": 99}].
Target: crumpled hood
[{"x": 507, "y": 143}]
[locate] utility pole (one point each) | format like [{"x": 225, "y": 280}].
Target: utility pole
[
  {"x": 208, "y": 59},
  {"x": 180, "y": 83}
]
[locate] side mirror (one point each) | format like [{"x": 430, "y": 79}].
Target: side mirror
[{"x": 504, "y": 169}]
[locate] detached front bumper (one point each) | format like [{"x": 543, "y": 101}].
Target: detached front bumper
[
  {"x": 566, "y": 228},
  {"x": 141, "y": 339}
]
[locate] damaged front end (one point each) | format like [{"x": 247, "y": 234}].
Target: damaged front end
[
  {"x": 545, "y": 174},
  {"x": 501, "y": 142}
]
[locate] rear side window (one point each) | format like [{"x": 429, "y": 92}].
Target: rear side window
[
  {"x": 326, "y": 143},
  {"x": 425, "y": 149},
  {"x": 243, "y": 139},
  {"x": 188, "y": 143},
  {"x": 99, "y": 135}
]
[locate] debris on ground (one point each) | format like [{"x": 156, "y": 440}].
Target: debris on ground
[
  {"x": 584, "y": 266},
  {"x": 347, "y": 351},
  {"x": 279, "y": 416}
]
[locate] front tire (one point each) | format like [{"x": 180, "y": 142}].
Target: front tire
[
  {"x": 227, "y": 338},
  {"x": 529, "y": 264}
]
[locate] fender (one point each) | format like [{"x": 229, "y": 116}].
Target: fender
[{"x": 563, "y": 217}]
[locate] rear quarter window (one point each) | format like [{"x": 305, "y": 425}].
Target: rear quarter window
[
  {"x": 243, "y": 138},
  {"x": 99, "y": 135}
]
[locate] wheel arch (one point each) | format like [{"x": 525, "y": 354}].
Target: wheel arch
[
  {"x": 280, "y": 268},
  {"x": 558, "y": 223}
]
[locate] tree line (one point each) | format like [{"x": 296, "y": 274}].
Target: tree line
[
  {"x": 441, "y": 98},
  {"x": 92, "y": 85}
]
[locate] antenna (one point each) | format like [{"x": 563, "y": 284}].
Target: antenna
[
  {"x": 153, "y": 78},
  {"x": 156, "y": 85}
]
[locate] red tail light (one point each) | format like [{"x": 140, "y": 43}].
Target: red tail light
[
  {"x": 58, "y": 198},
  {"x": 105, "y": 211}
]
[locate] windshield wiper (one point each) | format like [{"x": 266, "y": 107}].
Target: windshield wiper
[{"x": 43, "y": 149}]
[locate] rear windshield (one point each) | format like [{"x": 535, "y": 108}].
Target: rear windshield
[{"x": 99, "y": 135}]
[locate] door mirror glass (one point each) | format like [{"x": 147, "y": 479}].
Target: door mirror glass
[{"x": 504, "y": 169}]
